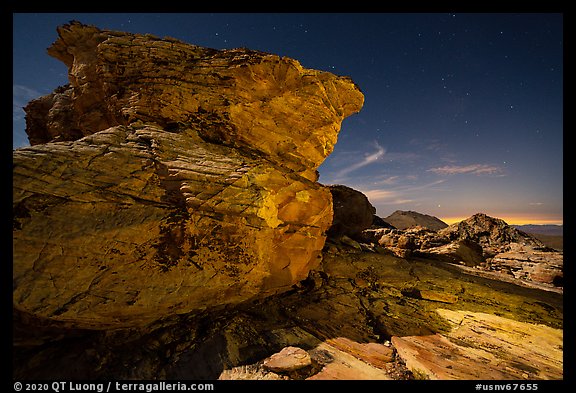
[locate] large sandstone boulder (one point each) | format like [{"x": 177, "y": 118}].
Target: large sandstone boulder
[{"x": 169, "y": 178}]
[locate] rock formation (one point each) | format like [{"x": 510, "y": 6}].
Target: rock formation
[
  {"x": 493, "y": 234},
  {"x": 169, "y": 178},
  {"x": 483, "y": 242},
  {"x": 353, "y": 212},
  {"x": 408, "y": 219},
  {"x": 509, "y": 251},
  {"x": 363, "y": 316},
  {"x": 169, "y": 201},
  {"x": 481, "y": 344}
]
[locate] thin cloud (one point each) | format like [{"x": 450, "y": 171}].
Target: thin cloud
[
  {"x": 21, "y": 95},
  {"x": 377, "y": 195},
  {"x": 367, "y": 160},
  {"x": 473, "y": 169},
  {"x": 398, "y": 195},
  {"x": 386, "y": 196},
  {"x": 424, "y": 186}
]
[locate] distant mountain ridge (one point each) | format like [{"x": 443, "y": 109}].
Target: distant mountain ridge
[
  {"x": 550, "y": 235},
  {"x": 552, "y": 230},
  {"x": 407, "y": 219}
]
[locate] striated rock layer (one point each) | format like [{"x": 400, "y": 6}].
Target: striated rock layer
[
  {"x": 169, "y": 178},
  {"x": 352, "y": 318}
]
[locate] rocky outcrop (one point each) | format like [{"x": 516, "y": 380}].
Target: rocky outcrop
[
  {"x": 353, "y": 212},
  {"x": 170, "y": 178},
  {"x": 404, "y": 242},
  {"x": 407, "y": 219},
  {"x": 239, "y": 98},
  {"x": 485, "y": 243},
  {"x": 529, "y": 264},
  {"x": 508, "y": 251},
  {"x": 493, "y": 234}
]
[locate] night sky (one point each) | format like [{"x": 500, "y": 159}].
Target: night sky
[{"x": 462, "y": 113}]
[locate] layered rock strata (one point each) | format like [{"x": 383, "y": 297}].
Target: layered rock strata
[
  {"x": 169, "y": 178},
  {"x": 364, "y": 316},
  {"x": 481, "y": 345}
]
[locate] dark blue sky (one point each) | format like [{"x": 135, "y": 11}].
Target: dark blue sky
[{"x": 462, "y": 113}]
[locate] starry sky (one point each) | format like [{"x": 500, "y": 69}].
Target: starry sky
[{"x": 463, "y": 112}]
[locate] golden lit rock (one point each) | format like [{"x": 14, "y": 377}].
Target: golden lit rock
[{"x": 170, "y": 178}]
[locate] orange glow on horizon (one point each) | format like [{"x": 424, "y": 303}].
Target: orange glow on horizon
[{"x": 511, "y": 220}]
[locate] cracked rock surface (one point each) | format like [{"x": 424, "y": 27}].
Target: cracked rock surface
[
  {"x": 167, "y": 178},
  {"x": 364, "y": 315}
]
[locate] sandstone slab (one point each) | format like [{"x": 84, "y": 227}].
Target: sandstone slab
[
  {"x": 484, "y": 346},
  {"x": 288, "y": 359},
  {"x": 375, "y": 354},
  {"x": 343, "y": 365},
  {"x": 540, "y": 265}
]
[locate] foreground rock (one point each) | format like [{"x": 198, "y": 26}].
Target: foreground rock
[
  {"x": 335, "y": 359},
  {"x": 345, "y": 317},
  {"x": 484, "y": 346},
  {"x": 170, "y": 178},
  {"x": 287, "y": 360}
]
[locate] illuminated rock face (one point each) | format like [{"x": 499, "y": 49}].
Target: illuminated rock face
[{"x": 170, "y": 178}]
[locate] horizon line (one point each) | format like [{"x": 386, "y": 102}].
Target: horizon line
[{"x": 510, "y": 220}]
